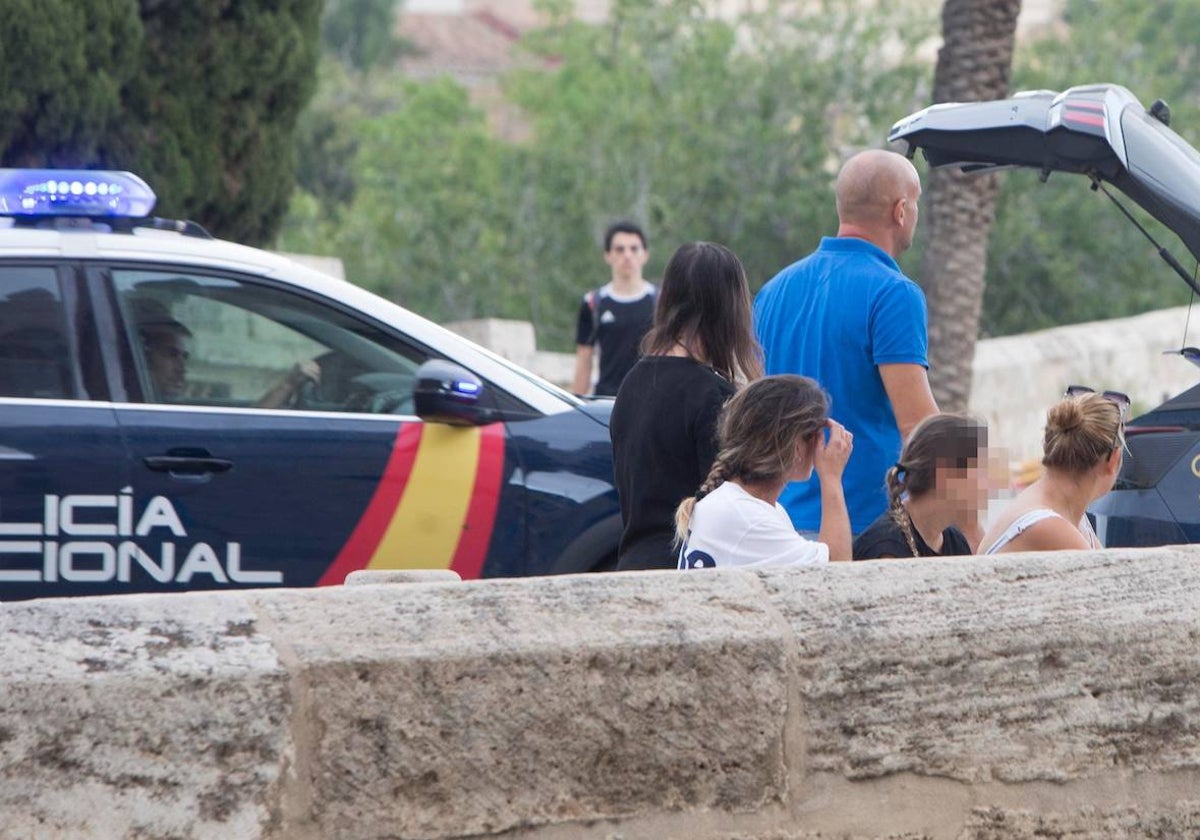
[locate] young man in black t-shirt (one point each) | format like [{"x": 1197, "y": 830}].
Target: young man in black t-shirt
[{"x": 615, "y": 316}]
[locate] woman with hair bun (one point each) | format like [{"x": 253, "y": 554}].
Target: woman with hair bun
[
  {"x": 773, "y": 431},
  {"x": 1085, "y": 435},
  {"x": 935, "y": 492}
]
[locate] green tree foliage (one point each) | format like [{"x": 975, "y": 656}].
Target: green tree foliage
[
  {"x": 199, "y": 98},
  {"x": 432, "y": 210},
  {"x": 63, "y": 65},
  {"x": 327, "y": 133},
  {"x": 356, "y": 80},
  {"x": 696, "y": 127},
  {"x": 1060, "y": 253},
  {"x": 360, "y": 33},
  {"x": 214, "y": 106}
]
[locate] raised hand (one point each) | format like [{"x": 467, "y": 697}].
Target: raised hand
[{"x": 832, "y": 453}]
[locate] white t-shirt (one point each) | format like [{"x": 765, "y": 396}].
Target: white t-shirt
[{"x": 730, "y": 527}]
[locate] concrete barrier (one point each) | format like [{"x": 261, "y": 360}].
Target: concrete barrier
[{"x": 1022, "y": 697}]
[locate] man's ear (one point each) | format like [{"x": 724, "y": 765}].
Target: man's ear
[{"x": 899, "y": 210}]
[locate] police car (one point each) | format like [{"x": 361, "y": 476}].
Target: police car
[{"x": 178, "y": 412}]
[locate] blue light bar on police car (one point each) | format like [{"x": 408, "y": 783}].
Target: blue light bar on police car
[{"x": 74, "y": 192}]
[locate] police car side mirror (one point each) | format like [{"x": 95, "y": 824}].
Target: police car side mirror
[{"x": 448, "y": 393}]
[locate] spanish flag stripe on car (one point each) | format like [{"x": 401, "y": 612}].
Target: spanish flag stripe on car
[
  {"x": 481, "y": 513},
  {"x": 434, "y": 507},
  {"x": 427, "y": 524},
  {"x": 363, "y": 541}
]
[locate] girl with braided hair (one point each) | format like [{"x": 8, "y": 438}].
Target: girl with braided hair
[
  {"x": 773, "y": 431},
  {"x": 936, "y": 492}
]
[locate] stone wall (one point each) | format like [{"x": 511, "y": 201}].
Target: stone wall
[
  {"x": 1018, "y": 377},
  {"x": 1024, "y": 697}
]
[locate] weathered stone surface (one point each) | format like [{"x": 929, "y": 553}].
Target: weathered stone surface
[
  {"x": 1086, "y": 824},
  {"x": 475, "y": 708},
  {"x": 139, "y": 716},
  {"x": 1026, "y": 667},
  {"x": 371, "y": 577},
  {"x": 974, "y": 699},
  {"x": 818, "y": 835}
]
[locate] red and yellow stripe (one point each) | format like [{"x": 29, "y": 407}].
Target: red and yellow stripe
[{"x": 434, "y": 507}]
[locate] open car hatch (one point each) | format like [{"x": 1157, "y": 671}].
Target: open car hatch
[{"x": 1100, "y": 131}]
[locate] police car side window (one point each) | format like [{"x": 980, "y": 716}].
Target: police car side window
[
  {"x": 35, "y": 355},
  {"x": 213, "y": 340}
]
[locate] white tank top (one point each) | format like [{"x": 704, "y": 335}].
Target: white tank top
[{"x": 1030, "y": 518}]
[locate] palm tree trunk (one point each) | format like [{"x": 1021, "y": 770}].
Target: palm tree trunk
[{"x": 973, "y": 64}]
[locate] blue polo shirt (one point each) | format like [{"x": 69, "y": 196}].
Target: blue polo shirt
[{"x": 836, "y": 315}]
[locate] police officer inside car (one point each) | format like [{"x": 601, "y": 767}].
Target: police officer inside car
[{"x": 164, "y": 343}]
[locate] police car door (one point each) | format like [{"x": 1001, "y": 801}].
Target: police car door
[
  {"x": 65, "y": 502},
  {"x": 275, "y": 436}
]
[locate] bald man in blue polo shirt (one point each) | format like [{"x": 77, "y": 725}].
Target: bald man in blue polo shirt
[{"x": 846, "y": 316}]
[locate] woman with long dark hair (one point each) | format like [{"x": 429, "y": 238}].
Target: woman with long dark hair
[{"x": 664, "y": 422}]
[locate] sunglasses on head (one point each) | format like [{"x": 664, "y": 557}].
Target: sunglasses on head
[{"x": 1122, "y": 401}]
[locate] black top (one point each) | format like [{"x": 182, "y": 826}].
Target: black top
[
  {"x": 617, "y": 327},
  {"x": 664, "y": 434},
  {"x": 883, "y": 538}
]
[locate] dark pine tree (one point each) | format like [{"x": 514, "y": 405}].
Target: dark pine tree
[{"x": 200, "y": 98}]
